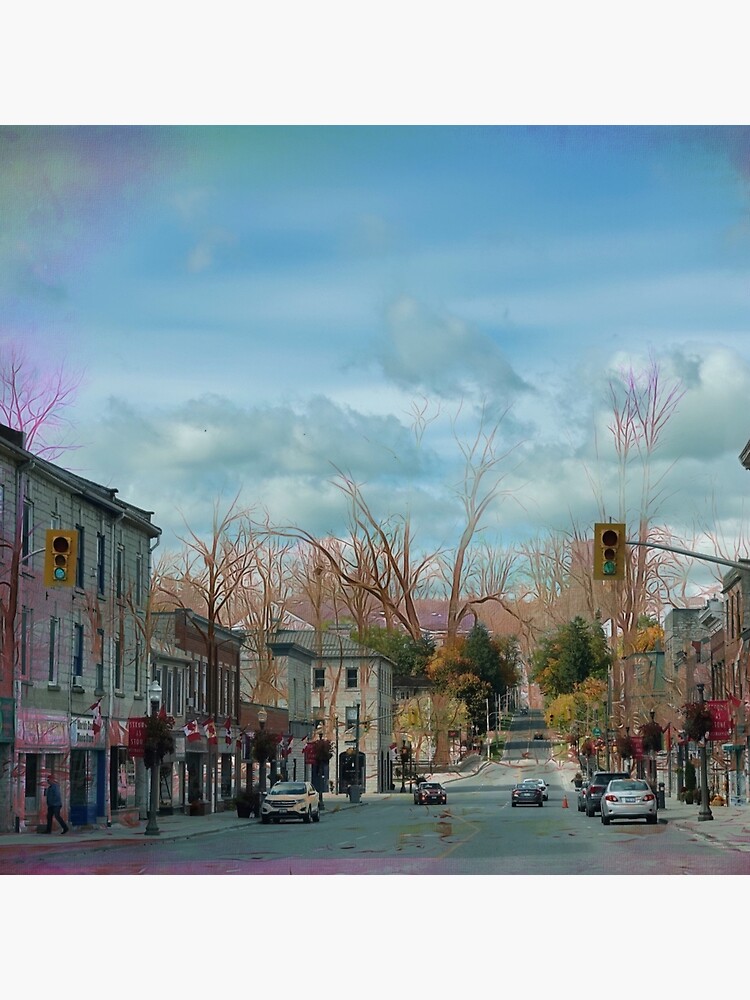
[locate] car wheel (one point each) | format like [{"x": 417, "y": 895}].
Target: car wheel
[
  {"x": 265, "y": 819},
  {"x": 541, "y": 803},
  {"x": 316, "y": 816},
  {"x": 605, "y": 820},
  {"x": 307, "y": 818},
  {"x": 513, "y": 804},
  {"x": 589, "y": 812},
  {"x": 651, "y": 819}
]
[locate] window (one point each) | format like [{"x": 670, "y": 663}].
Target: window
[
  {"x": 100, "y": 659},
  {"x": 27, "y": 528},
  {"x": 118, "y": 664},
  {"x": 27, "y": 617},
  {"x": 77, "y": 652},
  {"x": 54, "y": 649},
  {"x": 80, "y": 563},
  {"x": 319, "y": 677},
  {"x": 352, "y": 677},
  {"x": 100, "y": 552},
  {"x": 118, "y": 571},
  {"x": 138, "y": 579}
]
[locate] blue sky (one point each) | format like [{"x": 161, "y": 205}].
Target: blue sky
[{"x": 253, "y": 306}]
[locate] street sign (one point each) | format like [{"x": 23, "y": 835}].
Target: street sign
[{"x": 596, "y": 731}]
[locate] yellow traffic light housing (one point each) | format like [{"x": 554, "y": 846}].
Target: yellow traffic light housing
[
  {"x": 609, "y": 551},
  {"x": 60, "y": 554}
]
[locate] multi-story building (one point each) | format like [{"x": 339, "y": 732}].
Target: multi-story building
[
  {"x": 74, "y": 660},
  {"x": 351, "y": 704},
  {"x": 197, "y": 665}
]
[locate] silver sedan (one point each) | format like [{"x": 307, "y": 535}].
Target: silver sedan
[{"x": 628, "y": 798}]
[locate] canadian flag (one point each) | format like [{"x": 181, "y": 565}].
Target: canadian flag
[
  {"x": 96, "y": 708},
  {"x": 209, "y": 730},
  {"x": 286, "y": 745},
  {"x": 228, "y": 732},
  {"x": 190, "y": 729}
]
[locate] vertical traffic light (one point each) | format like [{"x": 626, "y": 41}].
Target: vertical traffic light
[
  {"x": 609, "y": 551},
  {"x": 60, "y": 558}
]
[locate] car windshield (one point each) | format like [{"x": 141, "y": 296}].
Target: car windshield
[
  {"x": 287, "y": 788},
  {"x": 430, "y": 784}
]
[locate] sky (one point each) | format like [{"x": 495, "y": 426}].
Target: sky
[{"x": 253, "y": 309}]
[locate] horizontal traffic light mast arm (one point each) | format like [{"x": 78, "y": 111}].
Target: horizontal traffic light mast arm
[{"x": 694, "y": 555}]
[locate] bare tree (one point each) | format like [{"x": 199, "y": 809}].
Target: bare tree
[
  {"x": 33, "y": 402},
  {"x": 205, "y": 576}
]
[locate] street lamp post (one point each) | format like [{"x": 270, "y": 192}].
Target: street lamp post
[
  {"x": 705, "y": 810},
  {"x": 320, "y": 769},
  {"x": 652, "y": 713},
  {"x": 262, "y": 718},
  {"x": 152, "y": 827},
  {"x": 404, "y": 760}
]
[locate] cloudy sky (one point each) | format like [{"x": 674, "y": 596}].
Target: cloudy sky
[{"x": 252, "y": 308}]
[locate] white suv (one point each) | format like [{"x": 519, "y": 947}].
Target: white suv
[{"x": 291, "y": 800}]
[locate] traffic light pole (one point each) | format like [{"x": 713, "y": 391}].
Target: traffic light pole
[{"x": 695, "y": 555}]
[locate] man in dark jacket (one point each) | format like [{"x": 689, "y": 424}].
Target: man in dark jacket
[{"x": 54, "y": 804}]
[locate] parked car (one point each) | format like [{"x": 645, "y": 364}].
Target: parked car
[
  {"x": 526, "y": 794},
  {"x": 595, "y": 789},
  {"x": 291, "y": 800},
  {"x": 628, "y": 798},
  {"x": 430, "y": 791},
  {"x": 538, "y": 736},
  {"x": 540, "y": 783}
]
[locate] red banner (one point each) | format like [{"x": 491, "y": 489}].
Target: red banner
[
  {"x": 721, "y": 727},
  {"x": 637, "y": 747},
  {"x": 308, "y": 752},
  {"x": 136, "y": 735}
]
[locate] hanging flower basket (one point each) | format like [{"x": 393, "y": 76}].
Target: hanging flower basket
[
  {"x": 263, "y": 745},
  {"x": 698, "y": 721},
  {"x": 322, "y": 751},
  {"x": 158, "y": 741},
  {"x": 625, "y": 746},
  {"x": 652, "y": 737}
]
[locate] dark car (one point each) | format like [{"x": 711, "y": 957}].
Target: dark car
[
  {"x": 526, "y": 794},
  {"x": 593, "y": 791},
  {"x": 538, "y": 736},
  {"x": 430, "y": 791}
]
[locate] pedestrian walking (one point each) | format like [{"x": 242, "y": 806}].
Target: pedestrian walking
[{"x": 54, "y": 804}]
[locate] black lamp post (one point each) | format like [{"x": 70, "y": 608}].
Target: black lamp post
[
  {"x": 321, "y": 769},
  {"x": 152, "y": 827},
  {"x": 705, "y": 810},
  {"x": 262, "y": 717},
  {"x": 652, "y": 713},
  {"x": 404, "y": 761}
]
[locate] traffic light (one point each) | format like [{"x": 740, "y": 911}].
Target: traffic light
[
  {"x": 60, "y": 558},
  {"x": 609, "y": 551}
]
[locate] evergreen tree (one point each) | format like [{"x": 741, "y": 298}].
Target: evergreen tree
[{"x": 566, "y": 657}]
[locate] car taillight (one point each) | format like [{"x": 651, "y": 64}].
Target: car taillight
[
  {"x": 649, "y": 797},
  {"x": 611, "y": 797}
]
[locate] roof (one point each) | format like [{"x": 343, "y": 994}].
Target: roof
[{"x": 329, "y": 644}]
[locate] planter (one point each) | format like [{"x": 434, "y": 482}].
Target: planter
[
  {"x": 244, "y": 810},
  {"x": 197, "y": 809}
]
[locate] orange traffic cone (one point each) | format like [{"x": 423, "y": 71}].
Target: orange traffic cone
[{"x": 565, "y": 802}]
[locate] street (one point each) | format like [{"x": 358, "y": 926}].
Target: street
[{"x": 477, "y": 832}]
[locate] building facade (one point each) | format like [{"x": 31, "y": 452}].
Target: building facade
[{"x": 75, "y": 658}]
